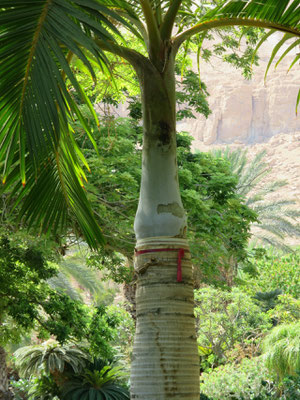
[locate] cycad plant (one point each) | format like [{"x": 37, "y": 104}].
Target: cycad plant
[
  {"x": 276, "y": 216},
  {"x": 282, "y": 350},
  {"x": 99, "y": 381},
  {"x": 49, "y": 358}
]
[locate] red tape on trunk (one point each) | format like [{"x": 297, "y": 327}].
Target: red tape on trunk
[{"x": 179, "y": 258}]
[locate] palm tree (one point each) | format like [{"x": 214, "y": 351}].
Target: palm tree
[
  {"x": 274, "y": 216},
  {"x": 80, "y": 282},
  {"x": 39, "y": 38}
]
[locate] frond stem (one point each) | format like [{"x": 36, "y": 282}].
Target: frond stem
[
  {"x": 169, "y": 19},
  {"x": 61, "y": 178},
  {"x": 33, "y": 48},
  {"x": 152, "y": 27},
  {"x": 223, "y": 22},
  {"x": 135, "y": 58}
]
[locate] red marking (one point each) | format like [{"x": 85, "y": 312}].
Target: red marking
[
  {"x": 180, "y": 256},
  {"x": 179, "y": 270}
]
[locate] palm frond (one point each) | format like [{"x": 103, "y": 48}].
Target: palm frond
[
  {"x": 283, "y": 15},
  {"x": 37, "y": 41},
  {"x": 285, "y": 12},
  {"x": 274, "y": 216},
  {"x": 62, "y": 283},
  {"x": 85, "y": 276},
  {"x": 281, "y": 226},
  {"x": 49, "y": 357},
  {"x": 55, "y": 199},
  {"x": 272, "y": 242},
  {"x": 274, "y": 206}
]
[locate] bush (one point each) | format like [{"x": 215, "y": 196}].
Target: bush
[
  {"x": 282, "y": 350},
  {"x": 249, "y": 380},
  {"x": 228, "y": 322},
  {"x": 277, "y": 271},
  {"x": 286, "y": 311}
]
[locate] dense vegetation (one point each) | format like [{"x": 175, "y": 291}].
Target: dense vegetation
[
  {"x": 239, "y": 306},
  {"x": 64, "y": 337}
]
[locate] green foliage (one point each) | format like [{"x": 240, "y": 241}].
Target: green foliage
[
  {"x": 249, "y": 380},
  {"x": 81, "y": 282},
  {"x": 282, "y": 350},
  {"x": 219, "y": 221},
  {"x": 227, "y": 322},
  {"x": 20, "y": 388},
  {"x": 114, "y": 182},
  {"x": 27, "y": 303},
  {"x": 26, "y": 299},
  {"x": 287, "y": 310},
  {"x": 276, "y": 270},
  {"x": 289, "y": 388},
  {"x": 43, "y": 388},
  {"x": 235, "y": 45},
  {"x": 67, "y": 372},
  {"x": 123, "y": 340},
  {"x": 192, "y": 97},
  {"x": 268, "y": 299}
]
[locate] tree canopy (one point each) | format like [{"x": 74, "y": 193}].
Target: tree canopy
[{"x": 38, "y": 41}]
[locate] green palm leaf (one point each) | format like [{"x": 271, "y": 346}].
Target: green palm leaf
[
  {"x": 37, "y": 41},
  {"x": 275, "y": 216},
  {"x": 55, "y": 199}
]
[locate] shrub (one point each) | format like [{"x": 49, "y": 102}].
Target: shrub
[
  {"x": 282, "y": 350},
  {"x": 249, "y": 380},
  {"x": 225, "y": 321},
  {"x": 277, "y": 271}
]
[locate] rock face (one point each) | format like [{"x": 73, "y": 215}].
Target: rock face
[
  {"x": 247, "y": 111},
  {"x": 256, "y": 115}
]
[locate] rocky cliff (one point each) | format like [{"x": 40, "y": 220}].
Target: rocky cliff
[
  {"x": 256, "y": 115},
  {"x": 247, "y": 111}
]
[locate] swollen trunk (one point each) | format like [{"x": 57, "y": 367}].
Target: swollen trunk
[{"x": 165, "y": 357}]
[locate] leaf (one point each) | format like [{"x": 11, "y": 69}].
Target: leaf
[
  {"x": 286, "y": 37},
  {"x": 298, "y": 101}
]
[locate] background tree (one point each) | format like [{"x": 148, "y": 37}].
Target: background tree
[
  {"x": 277, "y": 218},
  {"x": 36, "y": 107},
  {"x": 228, "y": 322},
  {"x": 208, "y": 190}
]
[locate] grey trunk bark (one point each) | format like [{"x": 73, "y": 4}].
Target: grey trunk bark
[
  {"x": 5, "y": 393},
  {"x": 165, "y": 361}
]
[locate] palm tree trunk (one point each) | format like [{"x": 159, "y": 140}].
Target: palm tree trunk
[
  {"x": 4, "y": 389},
  {"x": 165, "y": 356}
]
